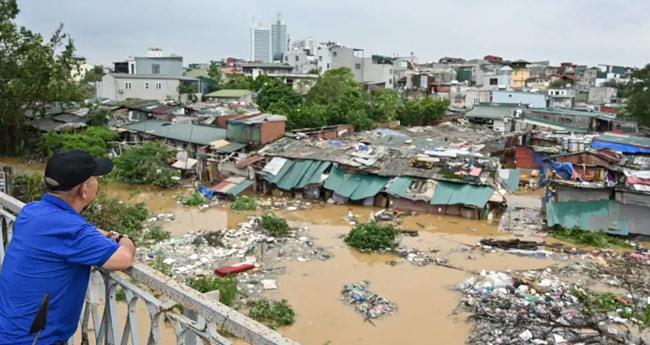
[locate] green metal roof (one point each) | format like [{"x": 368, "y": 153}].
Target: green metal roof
[
  {"x": 298, "y": 174},
  {"x": 491, "y": 111},
  {"x": 400, "y": 186},
  {"x": 625, "y": 139},
  {"x": 236, "y": 190},
  {"x": 229, "y": 93},
  {"x": 185, "y": 132},
  {"x": 447, "y": 193},
  {"x": 353, "y": 186}
]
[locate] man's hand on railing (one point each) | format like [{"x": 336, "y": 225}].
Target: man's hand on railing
[{"x": 124, "y": 257}]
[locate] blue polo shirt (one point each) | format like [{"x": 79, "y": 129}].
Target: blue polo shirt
[{"x": 51, "y": 251}]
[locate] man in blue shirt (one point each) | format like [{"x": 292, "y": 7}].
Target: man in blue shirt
[{"x": 52, "y": 250}]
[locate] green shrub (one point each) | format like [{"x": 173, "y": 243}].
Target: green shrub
[
  {"x": 227, "y": 287},
  {"x": 585, "y": 237},
  {"x": 273, "y": 314},
  {"x": 111, "y": 214},
  {"x": 156, "y": 234},
  {"x": 28, "y": 187},
  {"x": 244, "y": 203},
  {"x": 195, "y": 199},
  {"x": 275, "y": 226},
  {"x": 372, "y": 236},
  {"x": 147, "y": 164}
]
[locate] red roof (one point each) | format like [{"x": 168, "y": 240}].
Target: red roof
[{"x": 525, "y": 158}]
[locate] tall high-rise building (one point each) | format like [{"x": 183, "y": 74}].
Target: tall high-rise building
[
  {"x": 279, "y": 38},
  {"x": 260, "y": 43}
]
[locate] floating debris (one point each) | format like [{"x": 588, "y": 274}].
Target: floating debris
[{"x": 367, "y": 303}]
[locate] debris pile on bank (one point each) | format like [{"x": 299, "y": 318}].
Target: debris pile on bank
[
  {"x": 201, "y": 253},
  {"x": 543, "y": 307},
  {"x": 365, "y": 302}
]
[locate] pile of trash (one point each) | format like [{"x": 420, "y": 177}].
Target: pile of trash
[
  {"x": 203, "y": 252},
  {"x": 414, "y": 256},
  {"x": 367, "y": 303},
  {"x": 536, "y": 307}
]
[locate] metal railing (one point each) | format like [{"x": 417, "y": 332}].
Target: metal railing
[{"x": 202, "y": 320}]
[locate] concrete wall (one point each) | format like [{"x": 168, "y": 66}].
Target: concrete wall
[
  {"x": 345, "y": 57},
  {"x": 169, "y": 66},
  {"x": 119, "y": 89},
  {"x": 534, "y": 100},
  {"x": 565, "y": 193},
  {"x": 601, "y": 95},
  {"x": 301, "y": 62}
]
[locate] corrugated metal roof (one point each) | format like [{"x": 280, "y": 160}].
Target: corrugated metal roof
[
  {"x": 151, "y": 76},
  {"x": 185, "y": 132},
  {"x": 491, "y": 111},
  {"x": 625, "y": 139},
  {"x": 448, "y": 193},
  {"x": 353, "y": 186},
  {"x": 298, "y": 174},
  {"x": 399, "y": 186},
  {"x": 229, "y": 93},
  {"x": 232, "y": 147}
]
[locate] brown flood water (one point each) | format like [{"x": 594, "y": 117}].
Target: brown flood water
[{"x": 424, "y": 295}]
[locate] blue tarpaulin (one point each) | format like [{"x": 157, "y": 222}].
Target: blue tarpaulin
[
  {"x": 625, "y": 148},
  {"x": 564, "y": 169},
  {"x": 207, "y": 193}
]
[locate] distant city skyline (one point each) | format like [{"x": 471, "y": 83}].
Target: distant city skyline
[{"x": 582, "y": 31}]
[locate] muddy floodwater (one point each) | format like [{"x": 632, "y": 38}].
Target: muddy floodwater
[{"x": 425, "y": 296}]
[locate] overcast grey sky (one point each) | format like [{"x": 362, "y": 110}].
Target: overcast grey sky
[{"x": 582, "y": 31}]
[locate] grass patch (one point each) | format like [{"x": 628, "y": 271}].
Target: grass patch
[
  {"x": 597, "y": 303},
  {"x": 591, "y": 238},
  {"x": 372, "y": 236},
  {"x": 120, "y": 295},
  {"x": 195, "y": 199},
  {"x": 156, "y": 234},
  {"x": 227, "y": 287},
  {"x": 275, "y": 226},
  {"x": 273, "y": 314},
  {"x": 244, "y": 203}
]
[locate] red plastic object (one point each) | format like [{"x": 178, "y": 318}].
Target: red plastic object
[{"x": 224, "y": 271}]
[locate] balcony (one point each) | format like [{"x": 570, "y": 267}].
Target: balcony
[{"x": 202, "y": 321}]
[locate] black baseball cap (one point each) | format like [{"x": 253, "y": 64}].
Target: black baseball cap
[{"x": 68, "y": 169}]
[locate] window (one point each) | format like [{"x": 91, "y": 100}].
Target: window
[
  {"x": 357, "y": 66},
  {"x": 146, "y": 85},
  {"x": 320, "y": 58},
  {"x": 494, "y": 81},
  {"x": 296, "y": 58},
  {"x": 127, "y": 85},
  {"x": 328, "y": 66},
  {"x": 334, "y": 54},
  {"x": 158, "y": 85},
  {"x": 155, "y": 68}
]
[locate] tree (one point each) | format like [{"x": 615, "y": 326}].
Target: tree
[
  {"x": 238, "y": 81},
  {"x": 148, "y": 164},
  {"x": 277, "y": 97},
  {"x": 33, "y": 73},
  {"x": 216, "y": 76},
  {"x": 384, "y": 105},
  {"x": 307, "y": 115},
  {"x": 95, "y": 140},
  {"x": 93, "y": 75},
  {"x": 426, "y": 111},
  {"x": 344, "y": 97},
  {"x": 637, "y": 96}
]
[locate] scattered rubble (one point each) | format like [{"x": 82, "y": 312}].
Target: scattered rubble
[
  {"x": 200, "y": 253},
  {"x": 553, "y": 306},
  {"x": 367, "y": 303}
]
